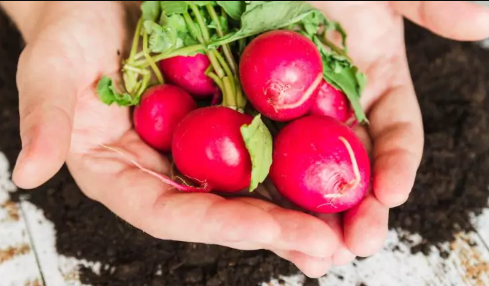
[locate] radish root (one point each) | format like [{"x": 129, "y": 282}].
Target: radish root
[
  {"x": 354, "y": 163},
  {"x": 350, "y": 184},
  {"x": 186, "y": 188}
]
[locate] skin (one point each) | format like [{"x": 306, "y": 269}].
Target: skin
[{"x": 65, "y": 122}]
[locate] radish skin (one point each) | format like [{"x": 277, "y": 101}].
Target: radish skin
[
  {"x": 280, "y": 72},
  {"x": 160, "y": 110},
  {"x": 332, "y": 102},
  {"x": 320, "y": 165},
  {"x": 208, "y": 148},
  {"x": 188, "y": 73}
]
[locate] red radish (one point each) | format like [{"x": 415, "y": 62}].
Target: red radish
[
  {"x": 188, "y": 72},
  {"x": 320, "y": 164},
  {"x": 332, "y": 102},
  {"x": 160, "y": 110},
  {"x": 208, "y": 147},
  {"x": 280, "y": 72}
]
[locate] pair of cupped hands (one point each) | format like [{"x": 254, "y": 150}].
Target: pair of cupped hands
[{"x": 70, "y": 45}]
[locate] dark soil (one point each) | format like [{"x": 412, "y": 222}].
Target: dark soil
[{"x": 451, "y": 81}]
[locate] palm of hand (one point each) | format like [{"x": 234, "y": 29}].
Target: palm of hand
[{"x": 83, "y": 45}]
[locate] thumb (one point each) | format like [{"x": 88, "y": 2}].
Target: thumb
[
  {"x": 46, "y": 106},
  {"x": 456, "y": 20}
]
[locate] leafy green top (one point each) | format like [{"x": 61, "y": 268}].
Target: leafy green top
[
  {"x": 339, "y": 71},
  {"x": 108, "y": 94},
  {"x": 259, "y": 142},
  {"x": 221, "y": 30}
]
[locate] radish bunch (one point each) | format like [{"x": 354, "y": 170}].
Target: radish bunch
[{"x": 208, "y": 80}]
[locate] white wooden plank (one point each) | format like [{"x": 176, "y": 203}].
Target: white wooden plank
[
  {"x": 394, "y": 265},
  {"x": 57, "y": 270},
  {"x": 481, "y": 225},
  {"x": 18, "y": 265}
]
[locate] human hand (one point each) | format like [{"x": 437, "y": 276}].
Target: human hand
[
  {"x": 395, "y": 135},
  {"x": 68, "y": 49},
  {"x": 67, "y": 122}
]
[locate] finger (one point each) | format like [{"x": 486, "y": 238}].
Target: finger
[
  {"x": 312, "y": 267},
  {"x": 150, "y": 205},
  {"x": 46, "y": 106},
  {"x": 457, "y": 20},
  {"x": 366, "y": 227},
  {"x": 397, "y": 133},
  {"x": 342, "y": 255}
]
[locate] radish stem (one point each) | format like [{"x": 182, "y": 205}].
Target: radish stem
[
  {"x": 228, "y": 95},
  {"x": 227, "y": 50},
  {"x": 192, "y": 27},
  {"x": 216, "y": 79},
  {"x": 135, "y": 69},
  {"x": 200, "y": 21},
  {"x": 135, "y": 41},
  {"x": 148, "y": 58},
  {"x": 166, "y": 55}
]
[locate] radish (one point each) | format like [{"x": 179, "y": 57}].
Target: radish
[
  {"x": 320, "y": 164},
  {"x": 188, "y": 72},
  {"x": 157, "y": 115},
  {"x": 208, "y": 148},
  {"x": 332, "y": 102},
  {"x": 280, "y": 72}
]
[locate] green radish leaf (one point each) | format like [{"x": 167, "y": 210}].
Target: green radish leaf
[
  {"x": 338, "y": 70},
  {"x": 109, "y": 95},
  {"x": 223, "y": 21},
  {"x": 312, "y": 23},
  {"x": 315, "y": 20},
  {"x": 176, "y": 22},
  {"x": 267, "y": 16},
  {"x": 173, "y": 7},
  {"x": 331, "y": 25},
  {"x": 250, "y": 5},
  {"x": 233, "y": 8},
  {"x": 259, "y": 142},
  {"x": 203, "y": 3},
  {"x": 162, "y": 38},
  {"x": 347, "y": 78},
  {"x": 343, "y": 75},
  {"x": 361, "y": 79},
  {"x": 150, "y": 10},
  {"x": 172, "y": 34}
]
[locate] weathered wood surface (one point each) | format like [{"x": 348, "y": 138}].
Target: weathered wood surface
[
  {"x": 28, "y": 255},
  {"x": 18, "y": 265}
]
